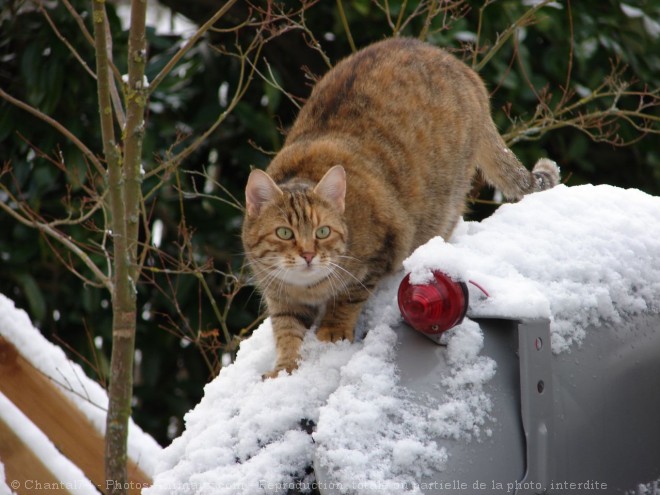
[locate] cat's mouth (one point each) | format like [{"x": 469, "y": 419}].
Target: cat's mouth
[{"x": 304, "y": 275}]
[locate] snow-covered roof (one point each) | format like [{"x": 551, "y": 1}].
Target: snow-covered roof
[
  {"x": 573, "y": 255},
  {"x": 64, "y": 470},
  {"x": 87, "y": 395},
  {"x": 4, "y": 488}
]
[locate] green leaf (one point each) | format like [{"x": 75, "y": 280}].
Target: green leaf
[{"x": 33, "y": 294}]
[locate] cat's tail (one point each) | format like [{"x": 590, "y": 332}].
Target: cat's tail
[{"x": 502, "y": 169}]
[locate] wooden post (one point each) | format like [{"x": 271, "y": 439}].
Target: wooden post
[{"x": 55, "y": 415}]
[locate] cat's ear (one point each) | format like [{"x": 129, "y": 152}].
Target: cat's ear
[
  {"x": 332, "y": 187},
  {"x": 260, "y": 189}
]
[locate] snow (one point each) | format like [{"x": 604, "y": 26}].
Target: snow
[
  {"x": 254, "y": 435},
  {"x": 88, "y": 396},
  {"x": 69, "y": 475},
  {"x": 4, "y": 489},
  {"x": 162, "y": 19},
  {"x": 652, "y": 488},
  {"x": 145, "y": 85},
  {"x": 573, "y": 255}
]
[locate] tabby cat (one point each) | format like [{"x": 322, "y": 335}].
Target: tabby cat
[{"x": 378, "y": 162}]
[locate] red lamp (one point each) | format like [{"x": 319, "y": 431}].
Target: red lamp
[{"x": 434, "y": 307}]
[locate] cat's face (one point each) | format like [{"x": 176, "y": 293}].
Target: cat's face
[{"x": 294, "y": 235}]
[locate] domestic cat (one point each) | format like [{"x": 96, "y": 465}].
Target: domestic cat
[{"x": 378, "y": 162}]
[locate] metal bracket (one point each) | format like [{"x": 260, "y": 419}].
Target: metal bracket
[{"x": 536, "y": 405}]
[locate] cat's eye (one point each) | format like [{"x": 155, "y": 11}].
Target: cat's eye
[
  {"x": 284, "y": 233},
  {"x": 322, "y": 232}
]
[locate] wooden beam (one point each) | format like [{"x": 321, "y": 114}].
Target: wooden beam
[{"x": 55, "y": 415}]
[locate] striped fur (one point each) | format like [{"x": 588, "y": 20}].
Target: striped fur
[{"x": 383, "y": 154}]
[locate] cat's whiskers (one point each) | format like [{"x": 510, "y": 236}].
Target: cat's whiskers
[
  {"x": 349, "y": 257},
  {"x": 330, "y": 276},
  {"x": 337, "y": 265},
  {"x": 261, "y": 270},
  {"x": 263, "y": 265},
  {"x": 342, "y": 286},
  {"x": 275, "y": 276}
]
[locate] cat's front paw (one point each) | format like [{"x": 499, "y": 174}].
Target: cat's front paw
[
  {"x": 334, "y": 334},
  {"x": 289, "y": 368}
]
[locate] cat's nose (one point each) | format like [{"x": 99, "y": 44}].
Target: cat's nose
[{"x": 308, "y": 257}]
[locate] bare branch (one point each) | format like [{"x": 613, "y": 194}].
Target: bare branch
[
  {"x": 242, "y": 86},
  {"x": 29, "y": 219},
  {"x": 189, "y": 44},
  {"x": 271, "y": 80},
  {"x": 569, "y": 70},
  {"x": 430, "y": 14},
  {"x": 233, "y": 201},
  {"x": 136, "y": 101},
  {"x": 502, "y": 38},
  {"x": 112, "y": 83},
  {"x": 344, "y": 22},
  {"x": 79, "y": 20},
  {"x": 399, "y": 21},
  {"x": 57, "y": 126},
  {"x": 116, "y": 101},
  {"x": 310, "y": 39},
  {"x": 599, "y": 124},
  {"x": 73, "y": 51}
]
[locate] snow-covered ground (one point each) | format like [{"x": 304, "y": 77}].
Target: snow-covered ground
[{"x": 574, "y": 255}]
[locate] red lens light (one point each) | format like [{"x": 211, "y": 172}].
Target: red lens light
[{"x": 434, "y": 307}]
